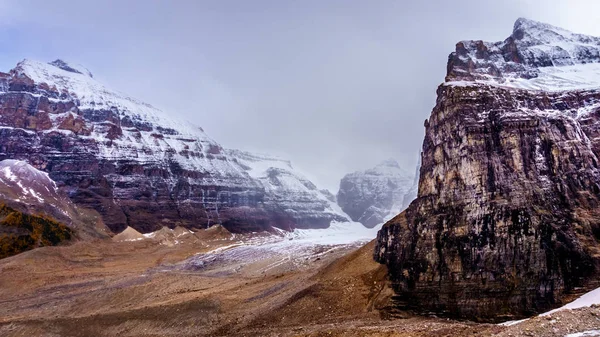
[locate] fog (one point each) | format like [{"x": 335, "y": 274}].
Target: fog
[{"x": 334, "y": 86}]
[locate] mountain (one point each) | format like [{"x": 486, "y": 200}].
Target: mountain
[
  {"x": 507, "y": 218},
  {"x": 139, "y": 167},
  {"x": 289, "y": 193},
  {"x": 375, "y": 195}
]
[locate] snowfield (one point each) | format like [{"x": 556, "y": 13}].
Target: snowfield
[{"x": 550, "y": 79}]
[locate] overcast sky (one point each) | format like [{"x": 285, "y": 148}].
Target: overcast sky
[{"x": 335, "y": 86}]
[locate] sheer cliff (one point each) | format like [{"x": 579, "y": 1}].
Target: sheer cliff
[{"x": 506, "y": 222}]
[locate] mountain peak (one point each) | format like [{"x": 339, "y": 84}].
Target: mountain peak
[
  {"x": 524, "y": 23},
  {"x": 390, "y": 162},
  {"x": 532, "y": 32},
  {"x": 70, "y": 67},
  {"x": 536, "y": 56}
]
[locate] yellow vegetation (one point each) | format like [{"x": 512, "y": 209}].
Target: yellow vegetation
[{"x": 31, "y": 231}]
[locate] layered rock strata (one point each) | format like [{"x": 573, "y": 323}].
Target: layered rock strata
[
  {"x": 506, "y": 222},
  {"x": 138, "y": 167}
]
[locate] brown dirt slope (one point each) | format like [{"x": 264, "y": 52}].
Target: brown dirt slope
[{"x": 138, "y": 289}]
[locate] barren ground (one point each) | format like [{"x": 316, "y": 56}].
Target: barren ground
[{"x": 143, "y": 288}]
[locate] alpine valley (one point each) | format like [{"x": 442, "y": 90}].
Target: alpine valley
[{"x": 117, "y": 219}]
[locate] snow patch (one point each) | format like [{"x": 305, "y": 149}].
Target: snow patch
[
  {"x": 588, "y": 333},
  {"x": 586, "y": 300}
]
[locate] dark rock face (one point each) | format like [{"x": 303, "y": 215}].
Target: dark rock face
[
  {"x": 370, "y": 196},
  {"x": 136, "y": 166},
  {"x": 506, "y": 223}
]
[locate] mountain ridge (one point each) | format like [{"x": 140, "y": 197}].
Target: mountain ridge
[
  {"x": 374, "y": 195},
  {"x": 138, "y": 166}
]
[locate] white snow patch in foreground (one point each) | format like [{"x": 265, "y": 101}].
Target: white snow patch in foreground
[
  {"x": 588, "y": 333},
  {"x": 511, "y": 323},
  {"x": 586, "y": 300}
]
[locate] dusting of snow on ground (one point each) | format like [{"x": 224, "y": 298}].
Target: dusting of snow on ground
[
  {"x": 338, "y": 233},
  {"x": 288, "y": 248}
]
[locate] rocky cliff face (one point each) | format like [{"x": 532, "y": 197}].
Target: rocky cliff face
[
  {"x": 375, "y": 195},
  {"x": 506, "y": 222},
  {"x": 135, "y": 166}
]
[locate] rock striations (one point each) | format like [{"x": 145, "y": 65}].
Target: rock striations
[
  {"x": 507, "y": 219},
  {"x": 374, "y": 196},
  {"x": 137, "y": 167}
]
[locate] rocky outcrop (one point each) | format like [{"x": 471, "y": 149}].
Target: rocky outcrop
[
  {"x": 506, "y": 222},
  {"x": 137, "y": 167},
  {"x": 27, "y": 190},
  {"x": 375, "y": 195},
  {"x": 35, "y": 213}
]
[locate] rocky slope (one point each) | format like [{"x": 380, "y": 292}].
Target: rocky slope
[
  {"x": 506, "y": 222},
  {"x": 35, "y": 213},
  {"x": 126, "y": 160},
  {"x": 25, "y": 189},
  {"x": 375, "y": 195}
]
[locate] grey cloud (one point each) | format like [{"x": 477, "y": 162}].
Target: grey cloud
[{"x": 333, "y": 85}]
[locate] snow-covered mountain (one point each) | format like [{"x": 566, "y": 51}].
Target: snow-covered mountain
[
  {"x": 138, "y": 166},
  {"x": 537, "y": 56},
  {"x": 374, "y": 196},
  {"x": 289, "y": 191}
]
